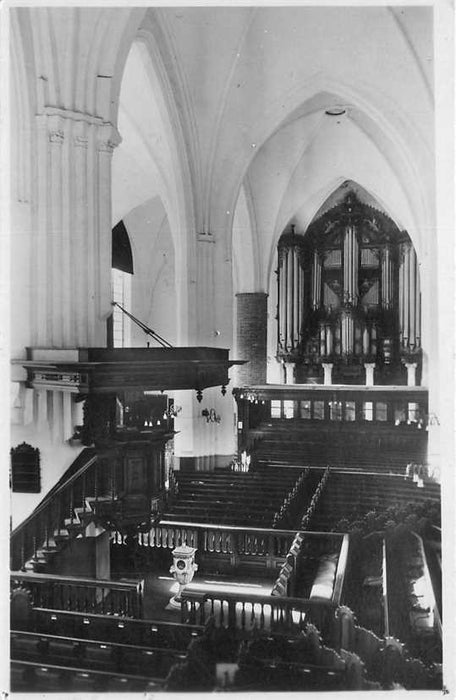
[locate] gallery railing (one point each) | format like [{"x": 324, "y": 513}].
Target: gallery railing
[
  {"x": 266, "y": 614},
  {"x": 81, "y": 595},
  {"x": 235, "y": 541}
]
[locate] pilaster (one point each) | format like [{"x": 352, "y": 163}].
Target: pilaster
[{"x": 70, "y": 293}]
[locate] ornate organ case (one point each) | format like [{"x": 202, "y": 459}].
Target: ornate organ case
[{"x": 349, "y": 294}]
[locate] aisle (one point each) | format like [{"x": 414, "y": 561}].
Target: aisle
[{"x": 159, "y": 588}]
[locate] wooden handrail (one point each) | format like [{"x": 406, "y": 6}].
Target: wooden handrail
[
  {"x": 254, "y": 530},
  {"x": 48, "y": 519},
  {"x": 56, "y": 491},
  {"x": 109, "y": 619},
  {"x": 341, "y": 570},
  {"x": 86, "y": 595},
  {"x": 30, "y": 577},
  {"x": 270, "y": 612},
  {"x": 217, "y": 594},
  {"x": 385, "y": 591}
]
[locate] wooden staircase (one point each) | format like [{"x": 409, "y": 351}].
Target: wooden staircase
[{"x": 80, "y": 505}]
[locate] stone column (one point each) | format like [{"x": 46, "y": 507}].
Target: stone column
[
  {"x": 411, "y": 373},
  {"x": 289, "y": 368},
  {"x": 327, "y": 369},
  {"x": 369, "y": 367}
]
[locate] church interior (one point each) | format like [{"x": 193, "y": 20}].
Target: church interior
[{"x": 230, "y": 348}]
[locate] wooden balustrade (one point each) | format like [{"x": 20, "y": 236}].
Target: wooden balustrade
[
  {"x": 387, "y": 404},
  {"x": 312, "y": 424},
  {"x": 48, "y": 520},
  {"x": 222, "y": 539},
  {"x": 265, "y": 614},
  {"x": 82, "y": 595}
]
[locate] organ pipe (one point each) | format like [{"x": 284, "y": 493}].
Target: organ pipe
[
  {"x": 407, "y": 296},
  {"x": 374, "y": 340},
  {"x": 365, "y": 341},
  {"x": 350, "y": 265},
  {"x": 316, "y": 281},
  {"x": 322, "y": 340},
  {"x": 412, "y": 305},
  {"x": 291, "y": 291},
  {"x": 418, "y": 308},
  {"x": 297, "y": 297},
  {"x": 282, "y": 301},
  {"x": 387, "y": 279},
  {"x": 409, "y": 299}
]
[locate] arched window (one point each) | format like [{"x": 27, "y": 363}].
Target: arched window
[{"x": 122, "y": 271}]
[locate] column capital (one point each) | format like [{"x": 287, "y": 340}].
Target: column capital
[
  {"x": 369, "y": 365},
  {"x": 57, "y": 121},
  {"x": 107, "y": 138}
]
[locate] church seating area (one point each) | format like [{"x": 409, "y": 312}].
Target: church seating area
[
  {"x": 250, "y": 499},
  {"x": 365, "y": 492},
  {"x": 79, "y": 652}
]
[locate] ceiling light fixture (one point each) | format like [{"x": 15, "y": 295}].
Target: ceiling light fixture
[{"x": 335, "y": 111}]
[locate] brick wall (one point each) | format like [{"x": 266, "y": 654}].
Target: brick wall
[{"x": 252, "y": 323}]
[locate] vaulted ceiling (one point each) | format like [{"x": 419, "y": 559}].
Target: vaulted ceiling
[{"x": 215, "y": 102}]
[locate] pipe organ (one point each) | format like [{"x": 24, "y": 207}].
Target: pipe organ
[{"x": 349, "y": 294}]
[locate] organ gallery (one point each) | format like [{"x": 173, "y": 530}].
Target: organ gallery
[{"x": 348, "y": 294}]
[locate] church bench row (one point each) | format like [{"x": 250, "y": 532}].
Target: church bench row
[
  {"x": 205, "y": 517},
  {"x": 395, "y": 466},
  {"x": 113, "y": 629},
  {"x": 29, "y": 676},
  {"x": 252, "y": 499},
  {"x": 274, "y": 476},
  {"x": 93, "y": 655},
  {"x": 326, "y": 451},
  {"x": 261, "y": 482},
  {"x": 217, "y": 509},
  {"x": 259, "y": 496}
]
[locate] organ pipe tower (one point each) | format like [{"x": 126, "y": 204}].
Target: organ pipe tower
[{"x": 348, "y": 294}]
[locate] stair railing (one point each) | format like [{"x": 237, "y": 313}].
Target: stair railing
[{"x": 48, "y": 520}]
